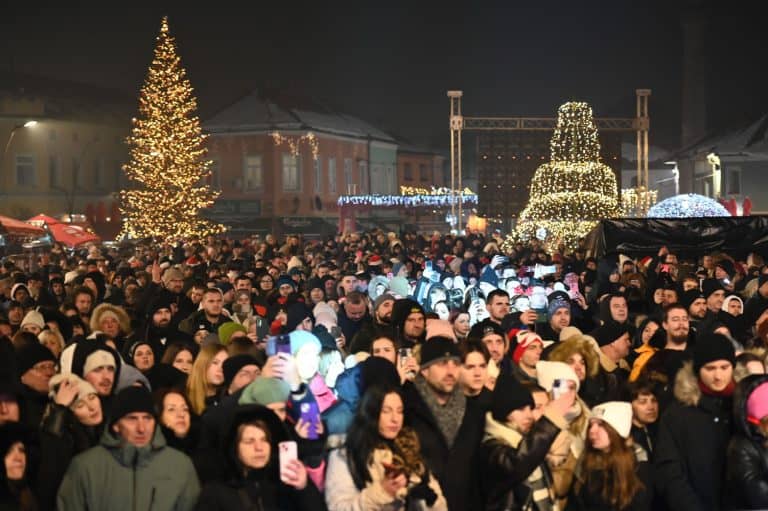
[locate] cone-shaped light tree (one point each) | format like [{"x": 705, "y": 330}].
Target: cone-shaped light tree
[
  {"x": 167, "y": 164},
  {"x": 571, "y": 193}
]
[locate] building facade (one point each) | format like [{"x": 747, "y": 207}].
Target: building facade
[
  {"x": 64, "y": 147},
  {"x": 281, "y": 164}
]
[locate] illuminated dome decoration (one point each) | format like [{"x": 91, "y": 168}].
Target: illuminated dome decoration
[
  {"x": 687, "y": 206},
  {"x": 571, "y": 193}
]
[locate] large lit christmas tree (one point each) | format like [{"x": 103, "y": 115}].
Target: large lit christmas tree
[
  {"x": 167, "y": 164},
  {"x": 571, "y": 193}
]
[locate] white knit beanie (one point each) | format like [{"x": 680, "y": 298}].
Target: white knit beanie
[
  {"x": 547, "y": 372},
  {"x": 618, "y": 414}
]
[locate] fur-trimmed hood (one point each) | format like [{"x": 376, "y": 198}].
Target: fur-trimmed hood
[
  {"x": 687, "y": 389},
  {"x": 582, "y": 345},
  {"x": 122, "y": 317}
]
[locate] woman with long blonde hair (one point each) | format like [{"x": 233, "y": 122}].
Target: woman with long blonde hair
[{"x": 206, "y": 377}]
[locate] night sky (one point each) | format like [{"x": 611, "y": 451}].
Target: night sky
[{"x": 392, "y": 65}]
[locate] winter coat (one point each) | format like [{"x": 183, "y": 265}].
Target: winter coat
[
  {"x": 747, "y": 455},
  {"x": 197, "y": 321},
  {"x": 693, "y": 435},
  {"x": 251, "y": 489},
  {"x": 116, "y": 475},
  {"x": 507, "y": 460},
  {"x": 62, "y": 437},
  {"x": 454, "y": 466},
  {"x": 343, "y": 494}
]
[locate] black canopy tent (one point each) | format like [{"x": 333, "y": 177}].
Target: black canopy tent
[{"x": 687, "y": 237}]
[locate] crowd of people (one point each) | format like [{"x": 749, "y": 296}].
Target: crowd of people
[{"x": 377, "y": 371}]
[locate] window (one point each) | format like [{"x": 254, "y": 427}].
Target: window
[
  {"x": 291, "y": 177},
  {"x": 77, "y": 178},
  {"x": 215, "y": 179},
  {"x": 407, "y": 172},
  {"x": 120, "y": 178},
  {"x": 348, "y": 176},
  {"x": 734, "y": 181},
  {"x": 318, "y": 166},
  {"x": 363, "y": 167},
  {"x": 25, "y": 170},
  {"x": 98, "y": 174},
  {"x": 252, "y": 173},
  {"x": 332, "y": 175},
  {"x": 54, "y": 171},
  {"x": 425, "y": 172}
]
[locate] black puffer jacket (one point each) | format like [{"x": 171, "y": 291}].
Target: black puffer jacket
[
  {"x": 690, "y": 451},
  {"x": 747, "y": 467}
]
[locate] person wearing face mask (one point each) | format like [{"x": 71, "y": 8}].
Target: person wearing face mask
[
  {"x": 73, "y": 423},
  {"x": 613, "y": 473},
  {"x": 380, "y": 466},
  {"x": 254, "y": 476},
  {"x": 694, "y": 431}
]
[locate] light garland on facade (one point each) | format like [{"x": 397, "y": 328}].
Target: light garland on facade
[
  {"x": 294, "y": 143},
  {"x": 409, "y": 201},
  {"x": 415, "y": 190},
  {"x": 167, "y": 155},
  {"x": 575, "y": 190}
]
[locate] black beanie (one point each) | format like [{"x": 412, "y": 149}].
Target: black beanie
[
  {"x": 711, "y": 347},
  {"x": 232, "y": 365},
  {"x": 439, "y": 348},
  {"x": 377, "y": 370},
  {"x": 609, "y": 332},
  {"x": 131, "y": 400},
  {"x": 509, "y": 395},
  {"x": 296, "y": 312},
  {"x": 690, "y": 296},
  {"x": 709, "y": 286},
  {"x": 29, "y": 355}
]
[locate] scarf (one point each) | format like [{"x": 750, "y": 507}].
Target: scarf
[
  {"x": 726, "y": 392},
  {"x": 448, "y": 416},
  {"x": 539, "y": 480}
]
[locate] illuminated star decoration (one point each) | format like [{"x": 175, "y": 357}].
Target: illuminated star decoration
[
  {"x": 687, "y": 206},
  {"x": 571, "y": 193},
  {"x": 167, "y": 166}
]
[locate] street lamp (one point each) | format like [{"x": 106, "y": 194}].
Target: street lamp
[{"x": 27, "y": 124}]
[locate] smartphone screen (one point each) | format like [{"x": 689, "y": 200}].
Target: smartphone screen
[
  {"x": 288, "y": 451},
  {"x": 283, "y": 344},
  {"x": 311, "y": 414}
]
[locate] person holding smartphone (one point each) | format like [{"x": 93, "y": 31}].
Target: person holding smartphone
[
  {"x": 261, "y": 467},
  {"x": 380, "y": 466}
]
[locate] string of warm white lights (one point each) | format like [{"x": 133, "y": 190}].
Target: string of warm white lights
[
  {"x": 634, "y": 201},
  {"x": 294, "y": 143},
  {"x": 572, "y": 192},
  {"x": 167, "y": 155}
]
